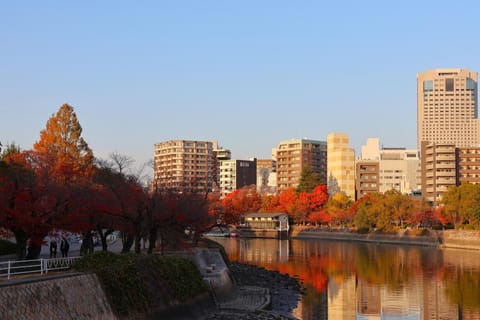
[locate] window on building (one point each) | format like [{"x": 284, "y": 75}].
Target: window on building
[
  {"x": 428, "y": 85},
  {"x": 448, "y": 84},
  {"x": 470, "y": 84}
]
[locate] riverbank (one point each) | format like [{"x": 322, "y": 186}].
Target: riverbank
[
  {"x": 454, "y": 239},
  {"x": 285, "y": 293}
]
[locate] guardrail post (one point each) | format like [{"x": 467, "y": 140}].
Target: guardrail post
[{"x": 8, "y": 270}]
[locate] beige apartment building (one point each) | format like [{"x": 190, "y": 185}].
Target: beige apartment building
[
  {"x": 340, "y": 165},
  {"x": 398, "y": 168},
  {"x": 294, "y": 155},
  {"x": 184, "y": 164},
  {"x": 439, "y": 170},
  {"x": 447, "y": 107},
  {"x": 219, "y": 154}
]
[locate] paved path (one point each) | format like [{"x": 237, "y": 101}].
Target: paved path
[{"x": 74, "y": 251}]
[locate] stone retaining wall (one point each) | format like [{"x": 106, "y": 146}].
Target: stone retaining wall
[
  {"x": 72, "y": 296},
  {"x": 460, "y": 239},
  {"x": 258, "y": 233}
]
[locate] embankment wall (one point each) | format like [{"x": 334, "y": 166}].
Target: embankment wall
[
  {"x": 72, "y": 296},
  {"x": 458, "y": 239}
]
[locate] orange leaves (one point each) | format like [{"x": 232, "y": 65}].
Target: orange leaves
[
  {"x": 298, "y": 205},
  {"x": 318, "y": 197},
  {"x": 320, "y": 217},
  {"x": 238, "y": 202},
  {"x": 287, "y": 201},
  {"x": 61, "y": 143}
]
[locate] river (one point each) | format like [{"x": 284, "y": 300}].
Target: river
[{"x": 346, "y": 280}]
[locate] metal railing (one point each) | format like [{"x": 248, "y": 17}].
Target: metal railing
[{"x": 42, "y": 266}]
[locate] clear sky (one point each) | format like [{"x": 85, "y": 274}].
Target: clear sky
[{"x": 246, "y": 73}]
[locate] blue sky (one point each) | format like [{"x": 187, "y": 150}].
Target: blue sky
[{"x": 246, "y": 73}]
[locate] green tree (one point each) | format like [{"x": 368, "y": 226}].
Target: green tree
[{"x": 308, "y": 180}]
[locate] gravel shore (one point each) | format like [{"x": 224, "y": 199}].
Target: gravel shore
[{"x": 285, "y": 293}]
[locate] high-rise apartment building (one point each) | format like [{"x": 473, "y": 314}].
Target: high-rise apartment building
[
  {"x": 236, "y": 174},
  {"x": 340, "y": 165},
  {"x": 447, "y": 107},
  {"x": 184, "y": 164},
  {"x": 294, "y": 155}
]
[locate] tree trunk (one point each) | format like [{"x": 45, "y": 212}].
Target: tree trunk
[
  {"x": 103, "y": 237},
  {"x": 138, "y": 244},
  {"x": 127, "y": 242},
  {"x": 21, "y": 240},
  {"x": 33, "y": 251},
  {"x": 152, "y": 239}
]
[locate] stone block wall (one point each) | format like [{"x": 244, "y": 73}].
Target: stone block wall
[{"x": 74, "y": 296}]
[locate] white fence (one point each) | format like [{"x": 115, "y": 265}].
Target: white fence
[{"x": 42, "y": 266}]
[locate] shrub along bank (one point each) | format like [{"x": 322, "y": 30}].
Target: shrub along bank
[{"x": 143, "y": 284}]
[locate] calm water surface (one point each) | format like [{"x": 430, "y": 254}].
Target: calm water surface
[{"x": 366, "y": 281}]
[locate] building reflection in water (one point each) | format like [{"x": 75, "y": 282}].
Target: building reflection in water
[{"x": 360, "y": 281}]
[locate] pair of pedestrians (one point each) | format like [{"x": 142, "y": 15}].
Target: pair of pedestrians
[{"x": 64, "y": 248}]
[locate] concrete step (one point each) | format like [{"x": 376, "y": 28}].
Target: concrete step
[{"x": 247, "y": 298}]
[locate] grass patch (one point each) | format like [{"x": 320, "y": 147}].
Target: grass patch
[{"x": 140, "y": 284}]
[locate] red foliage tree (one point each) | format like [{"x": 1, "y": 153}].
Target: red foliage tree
[
  {"x": 239, "y": 202},
  {"x": 30, "y": 202}
]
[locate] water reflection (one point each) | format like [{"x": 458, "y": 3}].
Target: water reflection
[{"x": 366, "y": 281}]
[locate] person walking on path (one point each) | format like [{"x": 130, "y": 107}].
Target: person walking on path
[
  {"x": 53, "y": 248},
  {"x": 64, "y": 247}
]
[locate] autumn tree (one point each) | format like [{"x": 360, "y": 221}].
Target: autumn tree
[
  {"x": 461, "y": 204},
  {"x": 62, "y": 144},
  {"x": 367, "y": 211},
  {"x": 401, "y": 206},
  {"x": 310, "y": 202},
  {"x": 423, "y": 214},
  {"x": 338, "y": 206},
  {"x": 238, "y": 202},
  {"x": 30, "y": 202},
  {"x": 286, "y": 202}
]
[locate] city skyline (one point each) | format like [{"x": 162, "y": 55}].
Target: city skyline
[{"x": 247, "y": 76}]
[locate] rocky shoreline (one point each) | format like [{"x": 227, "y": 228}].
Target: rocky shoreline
[{"x": 285, "y": 293}]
